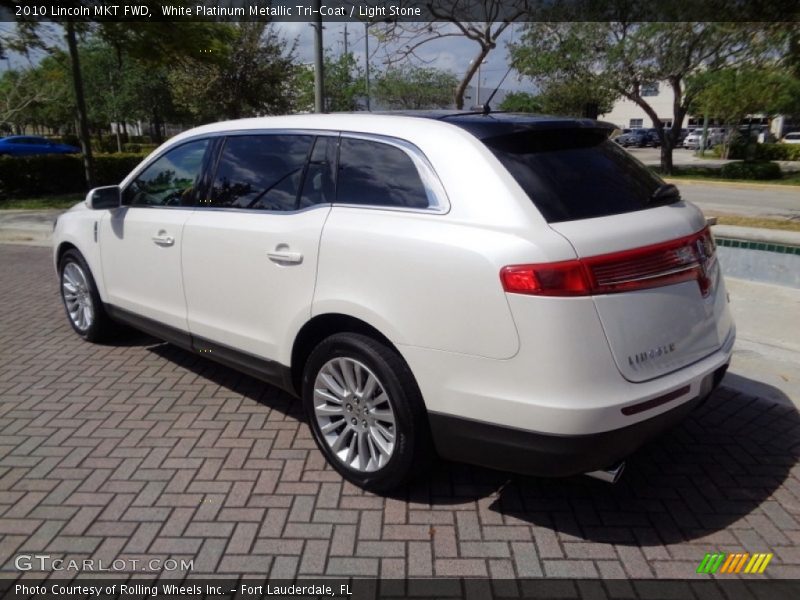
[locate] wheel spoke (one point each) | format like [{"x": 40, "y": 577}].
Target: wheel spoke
[
  {"x": 332, "y": 384},
  {"x": 329, "y": 411},
  {"x": 351, "y": 450},
  {"x": 363, "y": 451},
  {"x": 347, "y": 368},
  {"x": 384, "y": 447},
  {"x": 320, "y": 393},
  {"x": 332, "y": 426},
  {"x": 340, "y": 440},
  {"x": 379, "y": 399},
  {"x": 385, "y": 416},
  {"x": 369, "y": 387},
  {"x": 389, "y": 435}
]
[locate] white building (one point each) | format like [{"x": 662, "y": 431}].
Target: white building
[{"x": 626, "y": 114}]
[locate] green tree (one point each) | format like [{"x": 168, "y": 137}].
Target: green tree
[
  {"x": 253, "y": 76},
  {"x": 415, "y": 88},
  {"x": 522, "y": 102},
  {"x": 624, "y": 56},
  {"x": 732, "y": 94},
  {"x": 344, "y": 84},
  {"x": 161, "y": 42}
]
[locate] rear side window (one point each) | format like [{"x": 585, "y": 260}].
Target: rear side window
[
  {"x": 261, "y": 171},
  {"x": 377, "y": 174},
  {"x": 318, "y": 185},
  {"x": 575, "y": 174}
]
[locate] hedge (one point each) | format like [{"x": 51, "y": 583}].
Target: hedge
[
  {"x": 137, "y": 148},
  {"x": 750, "y": 170},
  {"x": 25, "y": 176},
  {"x": 764, "y": 151},
  {"x": 778, "y": 151}
]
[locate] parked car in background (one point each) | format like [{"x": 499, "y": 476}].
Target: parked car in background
[
  {"x": 791, "y": 138},
  {"x": 513, "y": 291},
  {"x": 655, "y": 141},
  {"x": 714, "y": 136},
  {"x": 25, "y": 145},
  {"x": 640, "y": 138}
]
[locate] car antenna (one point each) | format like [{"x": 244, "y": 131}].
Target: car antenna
[{"x": 486, "y": 108}]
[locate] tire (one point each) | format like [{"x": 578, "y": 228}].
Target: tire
[
  {"x": 379, "y": 445},
  {"x": 82, "y": 303}
]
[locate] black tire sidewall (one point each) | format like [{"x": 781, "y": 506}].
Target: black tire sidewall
[{"x": 404, "y": 395}]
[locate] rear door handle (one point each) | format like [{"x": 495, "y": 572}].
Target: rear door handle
[
  {"x": 282, "y": 255},
  {"x": 162, "y": 239}
]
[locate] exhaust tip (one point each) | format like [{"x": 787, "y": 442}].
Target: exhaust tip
[{"x": 609, "y": 475}]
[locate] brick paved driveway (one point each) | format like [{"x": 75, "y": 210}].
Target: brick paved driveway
[{"x": 142, "y": 451}]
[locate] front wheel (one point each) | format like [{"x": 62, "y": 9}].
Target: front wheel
[
  {"x": 81, "y": 300},
  {"x": 365, "y": 411}
]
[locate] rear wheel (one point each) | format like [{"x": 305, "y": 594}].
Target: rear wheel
[
  {"x": 365, "y": 411},
  {"x": 81, "y": 300}
]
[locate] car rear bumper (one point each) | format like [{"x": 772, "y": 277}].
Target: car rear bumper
[{"x": 547, "y": 455}]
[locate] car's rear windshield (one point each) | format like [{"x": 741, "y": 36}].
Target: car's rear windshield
[{"x": 572, "y": 174}]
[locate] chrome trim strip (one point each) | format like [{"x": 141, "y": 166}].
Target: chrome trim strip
[{"x": 688, "y": 267}]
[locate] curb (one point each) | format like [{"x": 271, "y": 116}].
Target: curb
[
  {"x": 754, "y": 234},
  {"x": 747, "y": 185}
]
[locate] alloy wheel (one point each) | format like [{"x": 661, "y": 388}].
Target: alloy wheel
[
  {"x": 354, "y": 414},
  {"x": 77, "y": 296}
]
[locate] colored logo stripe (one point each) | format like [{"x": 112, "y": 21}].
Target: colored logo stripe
[
  {"x": 711, "y": 563},
  {"x": 758, "y": 563},
  {"x": 734, "y": 563}
]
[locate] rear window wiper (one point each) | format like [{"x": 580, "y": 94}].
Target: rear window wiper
[{"x": 666, "y": 193}]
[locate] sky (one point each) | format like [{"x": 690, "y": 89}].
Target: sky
[{"x": 452, "y": 54}]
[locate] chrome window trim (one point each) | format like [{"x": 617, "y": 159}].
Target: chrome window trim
[
  {"x": 150, "y": 159},
  {"x": 438, "y": 202}
]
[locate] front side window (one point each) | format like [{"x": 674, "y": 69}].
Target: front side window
[
  {"x": 261, "y": 171},
  {"x": 377, "y": 174},
  {"x": 171, "y": 180}
]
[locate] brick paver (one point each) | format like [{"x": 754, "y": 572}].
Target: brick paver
[{"x": 142, "y": 451}]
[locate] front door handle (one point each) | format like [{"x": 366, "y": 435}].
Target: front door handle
[
  {"x": 162, "y": 239},
  {"x": 282, "y": 255}
]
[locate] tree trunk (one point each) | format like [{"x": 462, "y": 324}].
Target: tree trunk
[
  {"x": 157, "y": 137},
  {"x": 80, "y": 104},
  {"x": 666, "y": 157},
  {"x": 473, "y": 68}
]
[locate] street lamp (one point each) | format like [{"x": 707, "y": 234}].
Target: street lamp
[
  {"x": 319, "y": 64},
  {"x": 478, "y": 87}
]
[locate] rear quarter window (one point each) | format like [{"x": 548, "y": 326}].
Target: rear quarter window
[
  {"x": 575, "y": 174},
  {"x": 377, "y": 174}
]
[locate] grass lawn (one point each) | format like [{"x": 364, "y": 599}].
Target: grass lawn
[
  {"x": 760, "y": 222},
  {"x": 56, "y": 201},
  {"x": 713, "y": 175}
]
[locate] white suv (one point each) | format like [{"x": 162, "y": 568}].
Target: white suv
[{"x": 507, "y": 290}]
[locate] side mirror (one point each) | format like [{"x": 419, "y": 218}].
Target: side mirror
[{"x": 102, "y": 198}]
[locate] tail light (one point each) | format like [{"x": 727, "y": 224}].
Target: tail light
[{"x": 690, "y": 258}]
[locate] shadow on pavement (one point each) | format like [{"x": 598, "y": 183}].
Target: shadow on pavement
[
  {"x": 717, "y": 467},
  {"x": 249, "y": 387}
]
